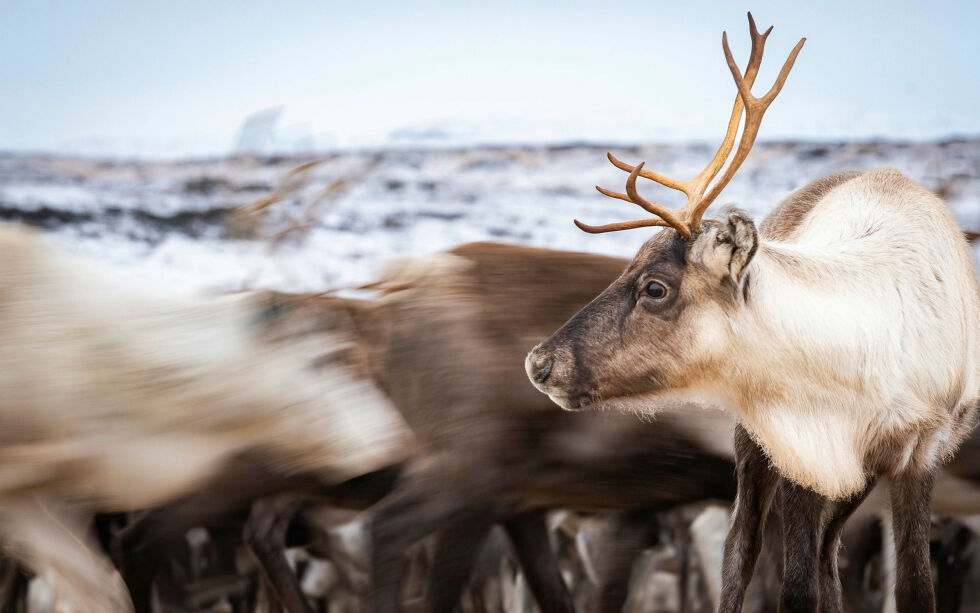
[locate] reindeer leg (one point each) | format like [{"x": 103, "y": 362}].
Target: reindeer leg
[
  {"x": 416, "y": 509},
  {"x": 394, "y": 529},
  {"x": 432, "y": 492},
  {"x": 831, "y": 595},
  {"x": 953, "y": 561},
  {"x": 756, "y": 485},
  {"x": 18, "y": 603},
  {"x": 529, "y": 534},
  {"x": 630, "y": 534},
  {"x": 764, "y": 589},
  {"x": 861, "y": 542},
  {"x": 13, "y": 587},
  {"x": 142, "y": 549},
  {"x": 457, "y": 547},
  {"x": 911, "y": 493},
  {"x": 265, "y": 535},
  {"x": 803, "y": 511},
  {"x": 682, "y": 540},
  {"x": 55, "y": 543}
]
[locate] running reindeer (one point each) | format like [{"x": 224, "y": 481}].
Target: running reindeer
[
  {"x": 113, "y": 398},
  {"x": 442, "y": 339},
  {"x": 843, "y": 334}
]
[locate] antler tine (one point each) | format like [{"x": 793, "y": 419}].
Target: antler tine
[
  {"x": 783, "y": 73},
  {"x": 612, "y": 194},
  {"x": 755, "y": 108},
  {"x": 693, "y": 209},
  {"x": 623, "y": 225},
  {"x": 754, "y": 32},
  {"x": 681, "y": 186},
  {"x": 744, "y": 85},
  {"x": 755, "y": 55},
  {"x": 687, "y": 219},
  {"x": 665, "y": 217},
  {"x": 662, "y": 212}
]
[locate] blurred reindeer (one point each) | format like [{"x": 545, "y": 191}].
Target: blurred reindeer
[
  {"x": 445, "y": 340},
  {"x": 115, "y": 399}
]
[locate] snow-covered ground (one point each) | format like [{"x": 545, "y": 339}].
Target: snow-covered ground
[{"x": 170, "y": 224}]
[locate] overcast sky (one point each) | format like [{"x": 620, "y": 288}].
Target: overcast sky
[{"x": 180, "y": 77}]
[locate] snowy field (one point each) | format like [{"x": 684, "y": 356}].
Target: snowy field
[{"x": 173, "y": 224}]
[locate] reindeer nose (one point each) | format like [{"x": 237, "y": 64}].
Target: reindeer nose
[{"x": 538, "y": 366}]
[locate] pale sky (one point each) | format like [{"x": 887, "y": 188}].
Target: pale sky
[{"x": 180, "y": 77}]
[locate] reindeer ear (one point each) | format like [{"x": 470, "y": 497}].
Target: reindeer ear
[
  {"x": 745, "y": 242},
  {"x": 726, "y": 247}
]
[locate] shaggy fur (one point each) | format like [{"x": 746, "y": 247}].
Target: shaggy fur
[{"x": 845, "y": 339}]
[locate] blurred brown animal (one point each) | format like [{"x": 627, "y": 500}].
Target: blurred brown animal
[{"x": 445, "y": 340}]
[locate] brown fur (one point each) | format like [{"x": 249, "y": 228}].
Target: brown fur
[
  {"x": 787, "y": 216},
  {"x": 450, "y": 356},
  {"x": 445, "y": 338}
]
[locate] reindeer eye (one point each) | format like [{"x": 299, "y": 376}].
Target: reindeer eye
[{"x": 656, "y": 289}]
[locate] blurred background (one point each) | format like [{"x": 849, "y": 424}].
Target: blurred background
[{"x": 132, "y": 130}]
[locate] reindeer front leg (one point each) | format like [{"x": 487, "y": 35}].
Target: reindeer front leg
[
  {"x": 457, "y": 548},
  {"x": 53, "y": 540},
  {"x": 911, "y": 494},
  {"x": 529, "y": 534},
  {"x": 265, "y": 535},
  {"x": 433, "y": 491},
  {"x": 803, "y": 522},
  {"x": 831, "y": 596},
  {"x": 756, "y": 484},
  {"x": 631, "y": 533}
]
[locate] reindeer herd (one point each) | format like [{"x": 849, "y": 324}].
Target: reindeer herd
[{"x": 786, "y": 368}]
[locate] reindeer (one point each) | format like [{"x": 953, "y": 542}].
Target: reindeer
[
  {"x": 842, "y": 334},
  {"x": 444, "y": 339},
  {"x": 113, "y": 399}
]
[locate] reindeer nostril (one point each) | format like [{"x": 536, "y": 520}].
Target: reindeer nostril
[{"x": 542, "y": 374}]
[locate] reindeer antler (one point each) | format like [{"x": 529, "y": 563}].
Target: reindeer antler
[{"x": 687, "y": 219}]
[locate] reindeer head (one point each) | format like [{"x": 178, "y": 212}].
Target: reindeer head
[{"x": 663, "y": 325}]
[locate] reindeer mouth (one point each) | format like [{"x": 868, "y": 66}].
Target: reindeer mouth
[{"x": 573, "y": 403}]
